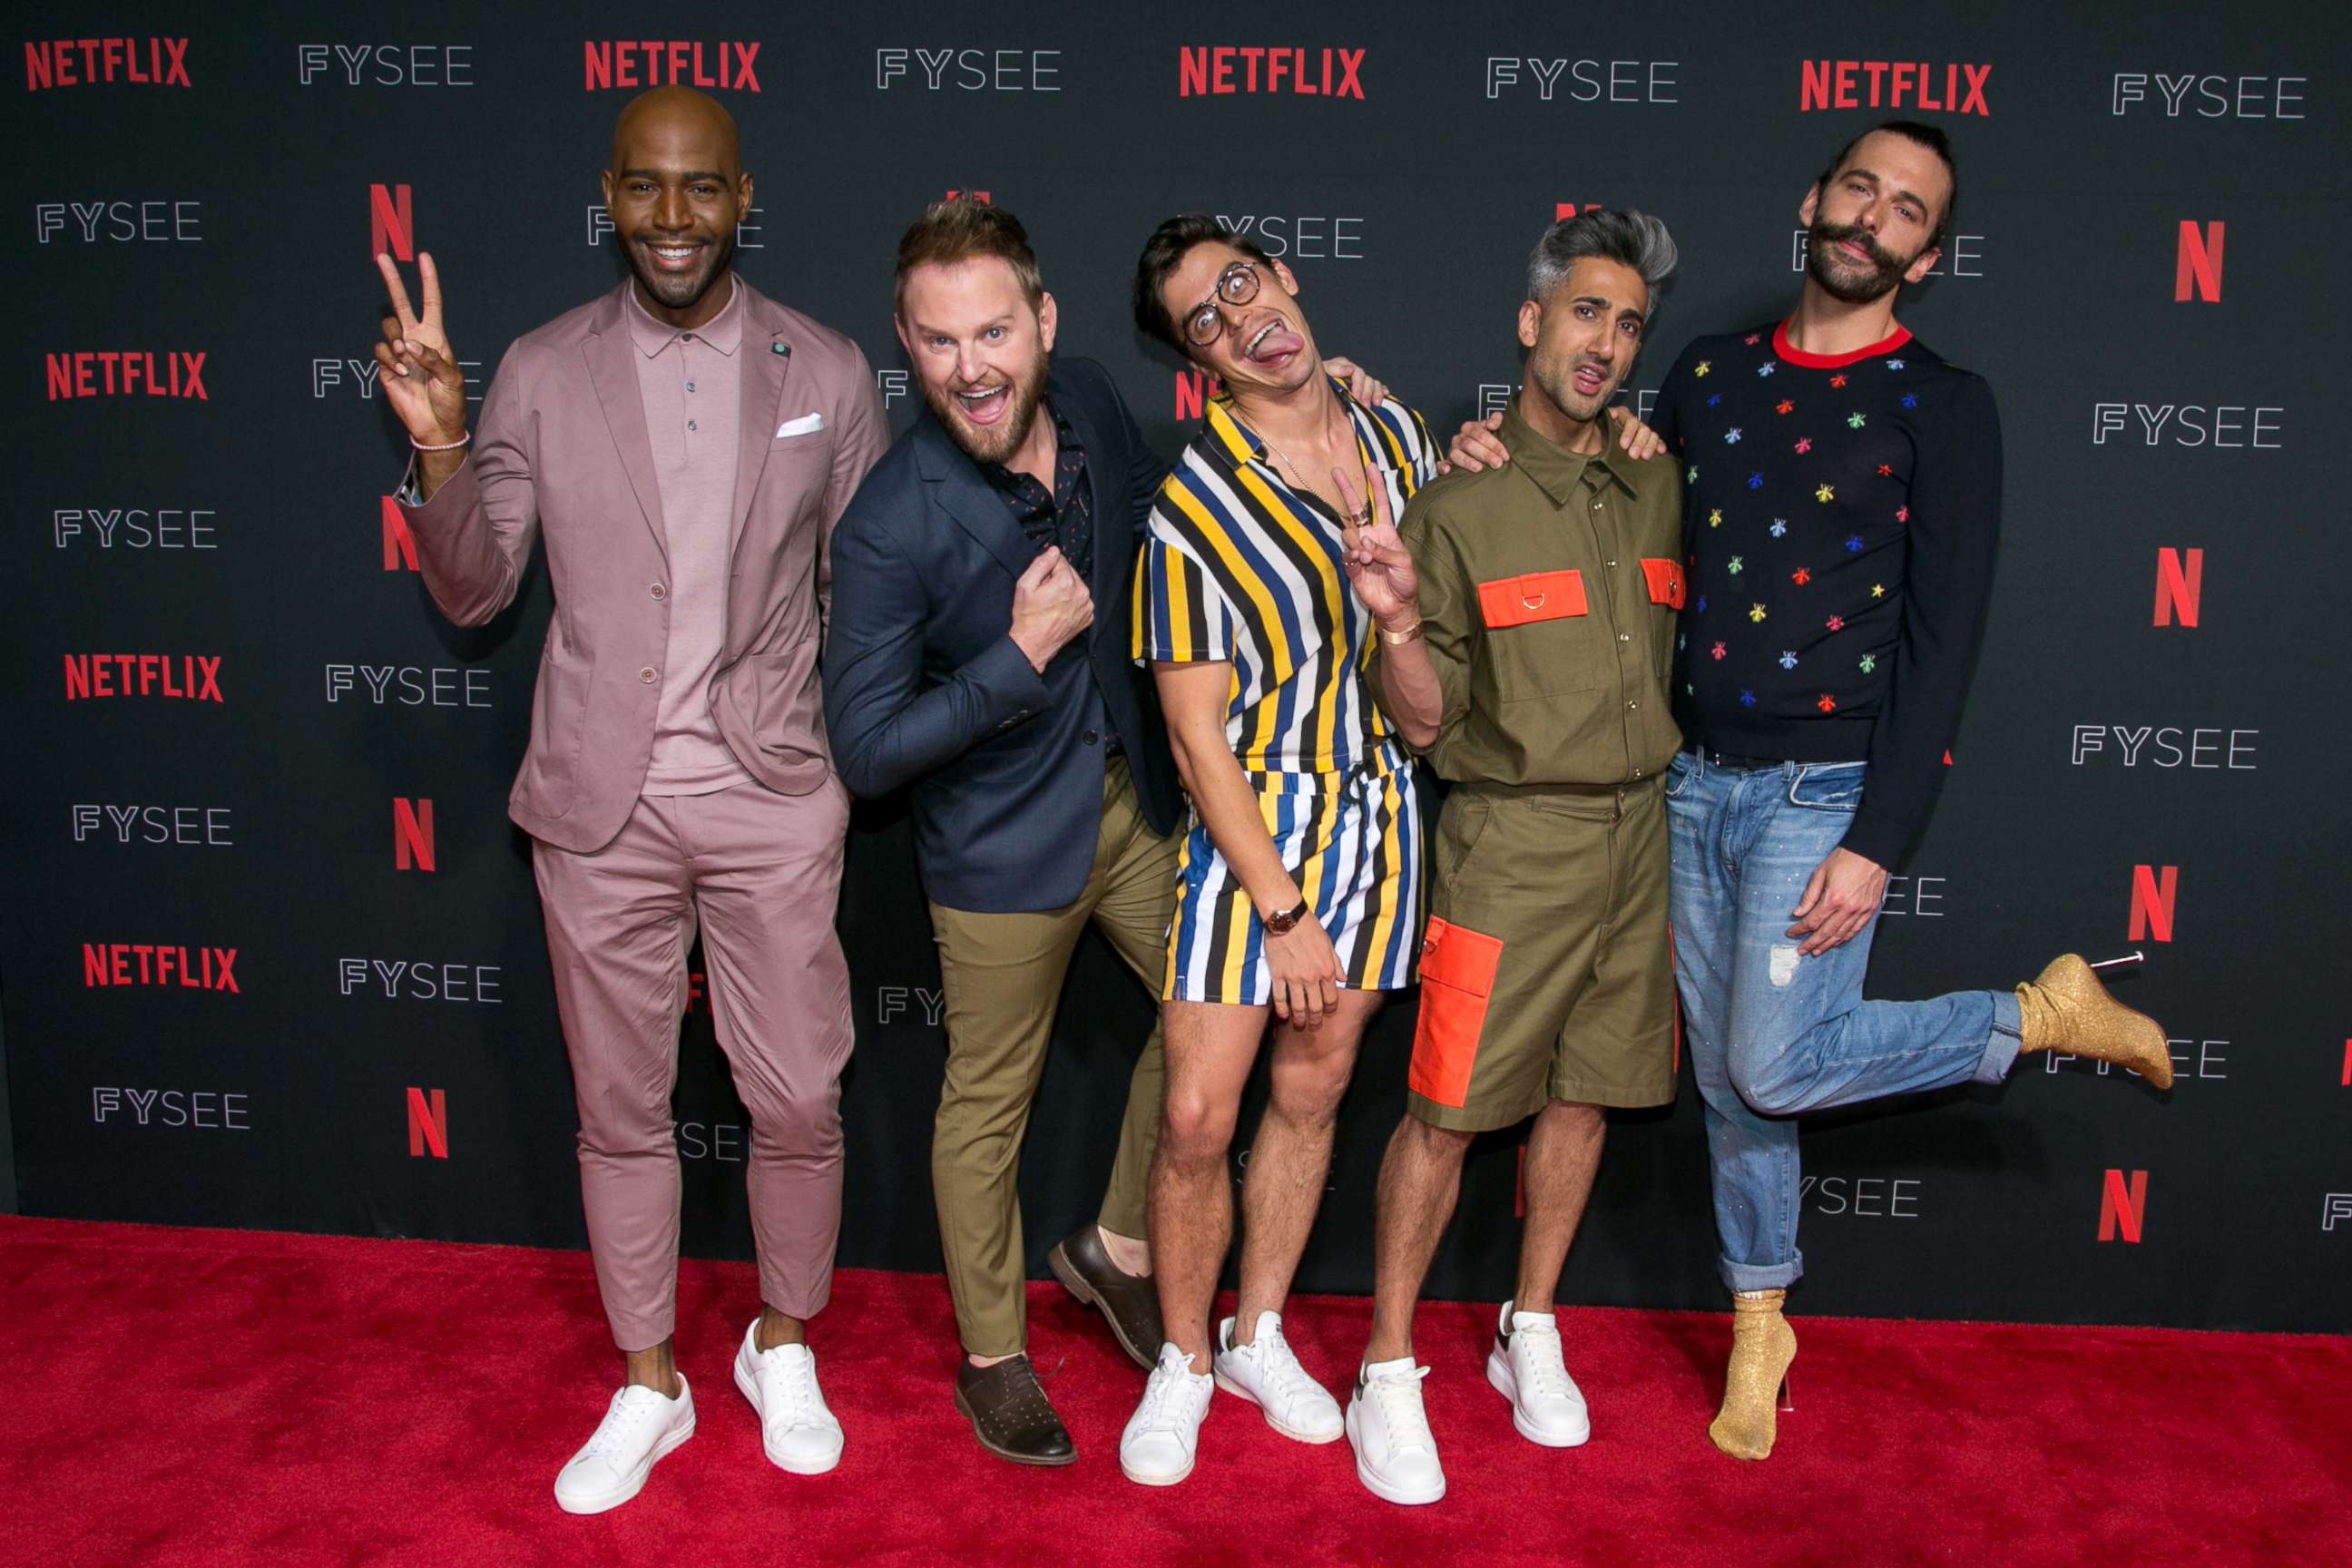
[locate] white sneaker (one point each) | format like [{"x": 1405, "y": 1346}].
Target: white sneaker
[
  {"x": 798, "y": 1432},
  {"x": 1396, "y": 1456},
  {"x": 639, "y": 1427},
  {"x": 1268, "y": 1375},
  {"x": 1525, "y": 1368},
  {"x": 1157, "y": 1448}
]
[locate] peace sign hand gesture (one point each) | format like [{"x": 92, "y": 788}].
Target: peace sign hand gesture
[
  {"x": 1377, "y": 562},
  {"x": 419, "y": 374}
]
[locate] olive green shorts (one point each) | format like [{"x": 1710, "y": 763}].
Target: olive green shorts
[{"x": 1547, "y": 972}]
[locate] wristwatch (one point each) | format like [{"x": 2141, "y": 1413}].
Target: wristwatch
[{"x": 1278, "y": 925}]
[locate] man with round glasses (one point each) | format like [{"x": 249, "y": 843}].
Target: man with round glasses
[{"x": 1299, "y": 890}]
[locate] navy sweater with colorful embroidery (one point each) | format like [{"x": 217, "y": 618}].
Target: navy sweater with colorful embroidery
[{"x": 1839, "y": 516}]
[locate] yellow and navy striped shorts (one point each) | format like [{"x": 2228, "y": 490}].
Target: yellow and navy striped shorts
[{"x": 1352, "y": 841}]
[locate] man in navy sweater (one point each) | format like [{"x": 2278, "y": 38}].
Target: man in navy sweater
[{"x": 1842, "y": 504}]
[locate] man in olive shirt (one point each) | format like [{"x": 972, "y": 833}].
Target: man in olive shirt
[{"x": 1526, "y": 620}]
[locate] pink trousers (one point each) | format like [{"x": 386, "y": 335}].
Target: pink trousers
[{"x": 761, "y": 874}]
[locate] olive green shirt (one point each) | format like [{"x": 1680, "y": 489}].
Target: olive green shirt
[{"x": 1549, "y": 589}]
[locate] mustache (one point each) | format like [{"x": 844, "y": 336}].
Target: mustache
[{"x": 1828, "y": 234}]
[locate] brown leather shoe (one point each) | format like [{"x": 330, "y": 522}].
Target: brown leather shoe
[
  {"x": 1010, "y": 1414},
  {"x": 1128, "y": 1303}
]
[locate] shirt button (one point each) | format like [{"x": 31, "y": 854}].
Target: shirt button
[
  {"x": 1637, "y": 773},
  {"x": 658, "y": 591},
  {"x": 1596, "y": 506},
  {"x": 691, "y": 425},
  {"x": 1089, "y": 738},
  {"x": 1613, "y": 565},
  {"x": 690, "y": 387},
  {"x": 1632, "y": 705},
  {"x": 648, "y": 675},
  {"x": 1622, "y": 636}
]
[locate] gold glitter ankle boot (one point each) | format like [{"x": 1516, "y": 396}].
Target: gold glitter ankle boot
[
  {"x": 1755, "y": 1384},
  {"x": 2065, "y": 1009}
]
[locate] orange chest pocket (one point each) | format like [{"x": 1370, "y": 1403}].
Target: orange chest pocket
[
  {"x": 1537, "y": 596},
  {"x": 1665, "y": 580}
]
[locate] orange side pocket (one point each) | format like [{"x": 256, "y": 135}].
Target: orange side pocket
[
  {"x": 1537, "y": 596},
  {"x": 1457, "y": 977},
  {"x": 1665, "y": 580}
]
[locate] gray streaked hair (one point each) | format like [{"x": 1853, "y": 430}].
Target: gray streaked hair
[{"x": 1631, "y": 239}]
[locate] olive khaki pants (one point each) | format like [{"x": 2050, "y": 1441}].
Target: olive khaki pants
[{"x": 1002, "y": 975}]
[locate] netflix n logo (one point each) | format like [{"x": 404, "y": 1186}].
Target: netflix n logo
[
  {"x": 1215, "y": 70},
  {"x": 51, "y": 63},
  {"x": 428, "y": 1125},
  {"x": 412, "y": 834},
  {"x": 2179, "y": 586},
  {"x": 1892, "y": 84},
  {"x": 1193, "y": 390},
  {"x": 2152, "y": 891},
  {"x": 112, "y": 963},
  {"x": 2123, "y": 1206},
  {"x": 191, "y": 676},
  {"x": 2196, "y": 263},
  {"x": 392, "y": 223},
  {"x": 399, "y": 543},
  {"x": 674, "y": 62},
  {"x": 126, "y": 373}
]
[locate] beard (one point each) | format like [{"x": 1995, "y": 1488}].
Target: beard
[
  {"x": 1841, "y": 277},
  {"x": 677, "y": 292},
  {"x": 991, "y": 443}
]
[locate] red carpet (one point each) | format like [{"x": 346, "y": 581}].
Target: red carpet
[{"x": 221, "y": 1397}]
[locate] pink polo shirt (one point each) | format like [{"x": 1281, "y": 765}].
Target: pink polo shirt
[{"x": 691, "y": 385}]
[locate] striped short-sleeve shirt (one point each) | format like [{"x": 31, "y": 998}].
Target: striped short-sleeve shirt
[{"x": 1240, "y": 567}]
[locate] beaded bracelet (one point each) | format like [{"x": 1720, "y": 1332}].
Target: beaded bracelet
[{"x": 450, "y": 447}]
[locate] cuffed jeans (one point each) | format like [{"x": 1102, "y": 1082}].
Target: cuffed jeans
[{"x": 1774, "y": 1033}]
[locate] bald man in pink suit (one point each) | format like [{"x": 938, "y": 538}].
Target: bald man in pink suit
[{"x": 684, "y": 446}]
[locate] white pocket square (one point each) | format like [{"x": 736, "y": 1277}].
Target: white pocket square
[{"x": 806, "y": 424}]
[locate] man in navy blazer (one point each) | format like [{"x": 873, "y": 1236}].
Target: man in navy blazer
[{"x": 978, "y": 655}]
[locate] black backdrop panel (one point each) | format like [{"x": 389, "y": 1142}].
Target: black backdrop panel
[{"x": 2141, "y": 763}]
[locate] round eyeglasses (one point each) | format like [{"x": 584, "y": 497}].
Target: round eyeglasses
[{"x": 1236, "y": 285}]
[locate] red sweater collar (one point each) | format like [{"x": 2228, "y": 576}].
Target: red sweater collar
[{"x": 1797, "y": 356}]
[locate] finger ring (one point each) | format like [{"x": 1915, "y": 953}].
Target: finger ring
[{"x": 1363, "y": 514}]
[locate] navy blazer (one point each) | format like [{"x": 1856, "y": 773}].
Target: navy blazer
[{"x": 925, "y": 687}]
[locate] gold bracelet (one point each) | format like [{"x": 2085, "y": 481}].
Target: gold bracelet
[{"x": 1397, "y": 639}]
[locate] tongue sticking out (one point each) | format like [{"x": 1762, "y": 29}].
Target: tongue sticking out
[{"x": 1278, "y": 343}]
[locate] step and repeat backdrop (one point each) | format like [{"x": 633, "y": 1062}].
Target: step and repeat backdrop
[{"x": 270, "y": 954}]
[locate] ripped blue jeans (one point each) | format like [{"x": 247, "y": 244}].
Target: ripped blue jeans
[{"x": 1774, "y": 1033}]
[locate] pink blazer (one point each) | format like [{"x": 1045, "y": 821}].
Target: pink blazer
[{"x": 561, "y": 449}]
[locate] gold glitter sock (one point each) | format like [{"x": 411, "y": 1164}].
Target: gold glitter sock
[
  {"x": 2065, "y": 1009},
  {"x": 1762, "y": 1346}
]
